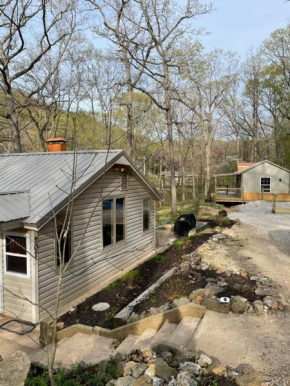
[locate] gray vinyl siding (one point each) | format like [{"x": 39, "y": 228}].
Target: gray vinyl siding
[
  {"x": 251, "y": 179},
  {"x": 16, "y": 289},
  {"x": 92, "y": 264}
]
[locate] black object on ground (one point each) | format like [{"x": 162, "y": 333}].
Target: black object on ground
[
  {"x": 17, "y": 327},
  {"x": 184, "y": 224}
]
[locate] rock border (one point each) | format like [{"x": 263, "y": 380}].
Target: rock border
[
  {"x": 121, "y": 318},
  {"x": 174, "y": 315}
]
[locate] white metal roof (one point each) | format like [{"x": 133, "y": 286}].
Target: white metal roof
[
  {"x": 48, "y": 178},
  {"x": 250, "y": 168},
  {"x": 14, "y": 205}
]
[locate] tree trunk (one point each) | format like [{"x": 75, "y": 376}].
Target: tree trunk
[
  {"x": 169, "y": 124},
  {"x": 129, "y": 103},
  {"x": 13, "y": 121}
]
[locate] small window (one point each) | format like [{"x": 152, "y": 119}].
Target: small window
[
  {"x": 114, "y": 226},
  {"x": 266, "y": 184},
  {"x": 146, "y": 214},
  {"x": 63, "y": 239},
  {"x": 120, "y": 219},
  {"x": 124, "y": 181},
  {"x": 108, "y": 206},
  {"x": 16, "y": 255}
]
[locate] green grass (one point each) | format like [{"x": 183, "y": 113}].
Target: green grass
[
  {"x": 158, "y": 258},
  {"x": 130, "y": 276},
  {"x": 178, "y": 244},
  {"x": 153, "y": 299},
  {"x": 163, "y": 215},
  {"x": 76, "y": 376}
]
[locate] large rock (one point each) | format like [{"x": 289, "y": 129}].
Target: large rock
[
  {"x": 125, "y": 381},
  {"x": 217, "y": 289},
  {"x": 204, "y": 360},
  {"x": 271, "y": 302},
  {"x": 190, "y": 367},
  {"x": 143, "y": 381},
  {"x": 258, "y": 306},
  {"x": 215, "y": 305},
  {"x": 184, "y": 379},
  {"x": 128, "y": 368},
  {"x": 193, "y": 295},
  {"x": 265, "y": 291},
  {"x": 179, "y": 302},
  {"x": 163, "y": 370},
  {"x": 138, "y": 370},
  {"x": 238, "y": 304},
  {"x": 158, "y": 381},
  {"x": 14, "y": 369}
]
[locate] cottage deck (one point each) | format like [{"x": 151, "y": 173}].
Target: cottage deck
[{"x": 229, "y": 194}]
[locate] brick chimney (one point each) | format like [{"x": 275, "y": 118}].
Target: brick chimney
[{"x": 56, "y": 144}]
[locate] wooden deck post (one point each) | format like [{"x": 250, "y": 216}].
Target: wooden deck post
[{"x": 274, "y": 203}]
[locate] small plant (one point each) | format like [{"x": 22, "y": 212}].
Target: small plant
[
  {"x": 158, "y": 258},
  {"x": 111, "y": 314},
  {"x": 179, "y": 244},
  {"x": 112, "y": 285},
  {"x": 153, "y": 299},
  {"x": 175, "y": 288},
  {"x": 130, "y": 276},
  {"x": 121, "y": 299}
]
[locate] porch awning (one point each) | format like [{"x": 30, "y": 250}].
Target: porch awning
[{"x": 14, "y": 205}]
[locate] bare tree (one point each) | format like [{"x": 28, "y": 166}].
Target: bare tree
[
  {"x": 23, "y": 47},
  {"x": 166, "y": 24},
  {"x": 121, "y": 25}
]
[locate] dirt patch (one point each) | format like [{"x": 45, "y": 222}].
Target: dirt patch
[{"x": 123, "y": 291}]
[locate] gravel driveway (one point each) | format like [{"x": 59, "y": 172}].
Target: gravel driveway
[{"x": 259, "y": 215}]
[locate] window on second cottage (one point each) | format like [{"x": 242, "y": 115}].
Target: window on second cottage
[{"x": 266, "y": 184}]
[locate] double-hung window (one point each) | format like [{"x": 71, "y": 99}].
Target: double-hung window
[
  {"x": 266, "y": 184},
  {"x": 114, "y": 227},
  {"x": 16, "y": 256}
]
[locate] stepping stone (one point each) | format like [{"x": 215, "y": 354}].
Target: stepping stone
[{"x": 101, "y": 307}]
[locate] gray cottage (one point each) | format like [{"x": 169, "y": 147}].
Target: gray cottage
[
  {"x": 112, "y": 228},
  {"x": 253, "y": 181}
]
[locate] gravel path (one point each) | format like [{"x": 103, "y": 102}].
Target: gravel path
[{"x": 259, "y": 215}]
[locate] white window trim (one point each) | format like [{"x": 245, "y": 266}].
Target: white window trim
[
  {"x": 261, "y": 184},
  {"x": 27, "y": 256},
  {"x": 114, "y": 243}
]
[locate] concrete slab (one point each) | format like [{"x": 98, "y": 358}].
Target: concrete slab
[
  {"x": 11, "y": 342},
  {"x": 164, "y": 334},
  {"x": 183, "y": 333},
  {"x": 80, "y": 347},
  {"x": 236, "y": 339}
]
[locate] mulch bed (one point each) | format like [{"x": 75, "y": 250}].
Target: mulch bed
[
  {"x": 122, "y": 292},
  {"x": 181, "y": 285}
]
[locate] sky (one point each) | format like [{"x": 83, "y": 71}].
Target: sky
[{"x": 238, "y": 25}]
